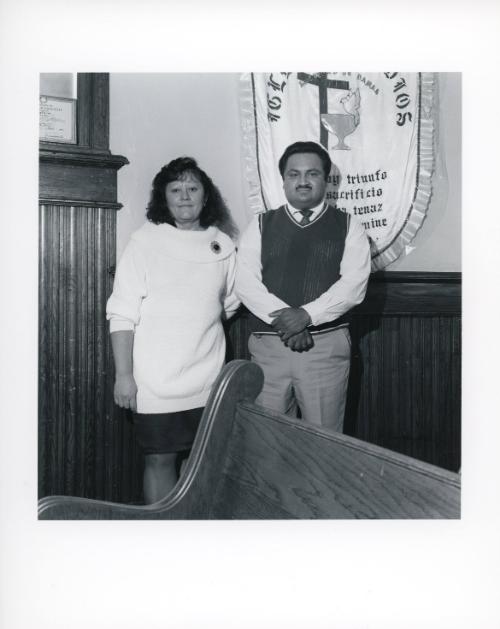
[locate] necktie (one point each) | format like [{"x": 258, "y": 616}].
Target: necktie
[{"x": 306, "y": 214}]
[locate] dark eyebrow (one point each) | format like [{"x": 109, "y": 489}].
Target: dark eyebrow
[{"x": 315, "y": 171}]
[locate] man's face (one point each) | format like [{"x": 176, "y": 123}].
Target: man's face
[{"x": 304, "y": 181}]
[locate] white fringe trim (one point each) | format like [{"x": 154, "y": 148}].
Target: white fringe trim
[
  {"x": 254, "y": 194},
  {"x": 423, "y": 193}
]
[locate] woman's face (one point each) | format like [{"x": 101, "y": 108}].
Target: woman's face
[{"x": 185, "y": 200}]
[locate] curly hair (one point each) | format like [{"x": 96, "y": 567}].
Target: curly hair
[
  {"x": 215, "y": 211},
  {"x": 306, "y": 147}
]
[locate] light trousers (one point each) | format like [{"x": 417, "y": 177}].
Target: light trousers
[{"x": 315, "y": 381}]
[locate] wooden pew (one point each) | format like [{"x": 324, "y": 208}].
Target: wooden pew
[{"x": 250, "y": 463}]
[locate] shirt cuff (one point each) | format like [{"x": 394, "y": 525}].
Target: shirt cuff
[
  {"x": 119, "y": 325},
  {"x": 311, "y": 312}
]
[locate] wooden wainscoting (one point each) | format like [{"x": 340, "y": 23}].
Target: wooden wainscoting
[
  {"x": 405, "y": 383},
  {"x": 85, "y": 443}
]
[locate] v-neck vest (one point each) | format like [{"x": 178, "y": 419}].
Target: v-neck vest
[{"x": 300, "y": 262}]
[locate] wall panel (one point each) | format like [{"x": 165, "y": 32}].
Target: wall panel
[{"x": 85, "y": 443}]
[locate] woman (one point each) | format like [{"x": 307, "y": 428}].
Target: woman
[{"x": 173, "y": 285}]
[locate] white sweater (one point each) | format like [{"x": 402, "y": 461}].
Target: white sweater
[{"x": 171, "y": 288}]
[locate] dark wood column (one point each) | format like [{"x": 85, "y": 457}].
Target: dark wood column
[{"x": 82, "y": 440}]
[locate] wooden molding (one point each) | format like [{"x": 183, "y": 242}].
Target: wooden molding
[
  {"x": 79, "y": 157},
  {"x": 427, "y": 277},
  {"x": 79, "y": 178},
  {"x": 80, "y": 204},
  {"x": 412, "y": 293}
]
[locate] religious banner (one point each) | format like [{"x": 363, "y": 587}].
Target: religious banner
[{"x": 378, "y": 130}]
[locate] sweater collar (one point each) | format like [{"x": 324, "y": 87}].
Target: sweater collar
[{"x": 204, "y": 246}]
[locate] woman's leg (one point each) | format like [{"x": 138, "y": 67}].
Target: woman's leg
[
  {"x": 181, "y": 461},
  {"x": 160, "y": 476}
]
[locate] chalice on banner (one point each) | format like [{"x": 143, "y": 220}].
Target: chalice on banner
[{"x": 341, "y": 125}]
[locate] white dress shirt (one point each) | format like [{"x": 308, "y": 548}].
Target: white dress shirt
[
  {"x": 348, "y": 291},
  {"x": 298, "y": 216}
]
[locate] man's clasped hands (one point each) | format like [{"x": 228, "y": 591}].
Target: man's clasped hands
[{"x": 291, "y": 326}]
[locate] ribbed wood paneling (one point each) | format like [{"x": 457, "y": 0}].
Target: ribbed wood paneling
[
  {"x": 404, "y": 390},
  {"x": 405, "y": 382},
  {"x": 85, "y": 444}
]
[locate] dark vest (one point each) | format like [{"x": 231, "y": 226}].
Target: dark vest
[{"x": 299, "y": 263}]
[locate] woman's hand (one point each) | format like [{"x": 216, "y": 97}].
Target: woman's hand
[{"x": 125, "y": 391}]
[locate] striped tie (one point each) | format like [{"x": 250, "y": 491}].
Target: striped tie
[{"x": 306, "y": 215}]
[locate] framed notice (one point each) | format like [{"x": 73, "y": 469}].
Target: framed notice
[{"x": 57, "y": 119}]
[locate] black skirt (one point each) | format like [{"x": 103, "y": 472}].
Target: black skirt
[{"x": 159, "y": 433}]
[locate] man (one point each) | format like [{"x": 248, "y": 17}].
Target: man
[{"x": 300, "y": 269}]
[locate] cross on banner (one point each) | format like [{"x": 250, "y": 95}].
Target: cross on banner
[{"x": 324, "y": 83}]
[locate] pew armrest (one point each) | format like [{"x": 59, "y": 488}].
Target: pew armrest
[{"x": 192, "y": 497}]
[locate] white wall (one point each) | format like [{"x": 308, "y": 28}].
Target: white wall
[
  {"x": 157, "y": 117},
  {"x": 438, "y": 242}
]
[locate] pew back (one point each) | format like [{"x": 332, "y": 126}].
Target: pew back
[
  {"x": 250, "y": 463},
  {"x": 277, "y": 467}
]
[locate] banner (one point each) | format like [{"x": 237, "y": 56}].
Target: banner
[{"x": 378, "y": 130}]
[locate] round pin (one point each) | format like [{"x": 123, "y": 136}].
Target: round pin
[{"x": 214, "y": 245}]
